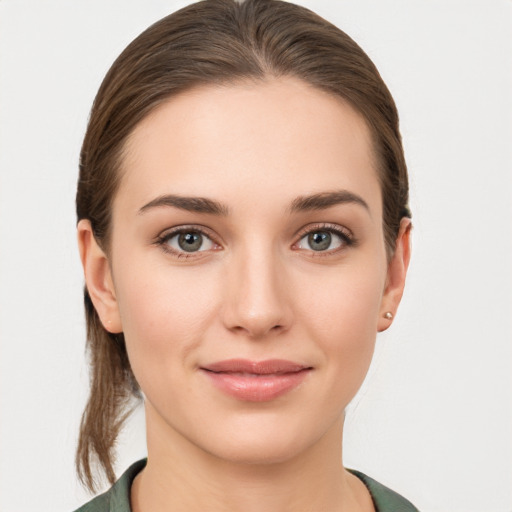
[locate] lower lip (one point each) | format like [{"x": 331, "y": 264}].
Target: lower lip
[{"x": 256, "y": 388}]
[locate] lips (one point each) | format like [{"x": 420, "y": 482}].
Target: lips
[{"x": 255, "y": 381}]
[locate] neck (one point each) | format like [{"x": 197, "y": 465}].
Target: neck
[{"x": 180, "y": 476}]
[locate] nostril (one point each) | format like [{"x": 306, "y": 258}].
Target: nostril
[{"x": 257, "y": 331}]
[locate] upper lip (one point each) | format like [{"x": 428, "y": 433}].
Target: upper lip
[{"x": 267, "y": 367}]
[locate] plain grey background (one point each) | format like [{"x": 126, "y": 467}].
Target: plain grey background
[{"x": 434, "y": 418}]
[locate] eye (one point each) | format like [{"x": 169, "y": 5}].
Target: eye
[
  {"x": 186, "y": 241},
  {"x": 324, "y": 240}
]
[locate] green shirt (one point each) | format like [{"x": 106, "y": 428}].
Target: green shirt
[{"x": 117, "y": 499}]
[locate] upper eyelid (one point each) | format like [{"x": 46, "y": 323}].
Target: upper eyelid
[
  {"x": 169, "y": 232},
  {"x": 325, "y": 226}
]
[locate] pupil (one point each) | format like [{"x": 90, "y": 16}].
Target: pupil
[
  {"x": 190, "y": 242},
  {"x": 320, "y": 240}
]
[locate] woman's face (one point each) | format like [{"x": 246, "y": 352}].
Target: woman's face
[{"x": 248, "y": 229}]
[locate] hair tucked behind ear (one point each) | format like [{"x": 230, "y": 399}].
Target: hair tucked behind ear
[
  {"x": 211, "y": 42},
  {"x": 113, "y": 388}
]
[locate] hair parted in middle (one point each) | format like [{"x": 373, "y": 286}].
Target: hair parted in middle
[{"x": 215, "y": 42}]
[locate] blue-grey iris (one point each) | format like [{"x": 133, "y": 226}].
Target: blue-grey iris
[
  {"x": 319, "y": 240},
  {"x": 190, "y": 242}
]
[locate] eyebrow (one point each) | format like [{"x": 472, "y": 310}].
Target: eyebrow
[
  {"x": 324, "y": 200},
  {"x": 320, "y": 201},
  {"x": 191, "y": 204}
]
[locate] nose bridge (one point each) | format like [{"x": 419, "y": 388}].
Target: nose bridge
[{"x": 256, "y": 303}]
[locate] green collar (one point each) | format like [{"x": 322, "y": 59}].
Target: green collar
[{"x": 117, "y": 499}]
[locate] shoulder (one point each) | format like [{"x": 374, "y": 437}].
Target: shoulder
[
  {"x": 385, "y": 499},
  {"x": 117, "y": 498}
]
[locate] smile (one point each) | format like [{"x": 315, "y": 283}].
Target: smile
[{"x": 256, "y": 381}]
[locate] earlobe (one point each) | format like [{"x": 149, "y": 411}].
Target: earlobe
[
  {"x": 98, "y": 278},
  {"x": 395, "y": 281}
]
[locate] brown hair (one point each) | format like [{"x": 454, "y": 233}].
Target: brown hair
[{"x": 211, "y": 42}]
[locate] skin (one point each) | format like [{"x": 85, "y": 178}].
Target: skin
[{"x": 257, "y": 291}]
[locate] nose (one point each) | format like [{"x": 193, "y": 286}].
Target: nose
[{"x": 256, "y": 302}]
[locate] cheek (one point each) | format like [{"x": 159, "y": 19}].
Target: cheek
[
  {"x": 164, "y": 313},
  {"x": 344, "y": 302},
  {"x": 341, "y": 312}
]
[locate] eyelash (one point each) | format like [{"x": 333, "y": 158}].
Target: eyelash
[
  {"x": 163, "y": 240},
  {"x": 344, "y": 234}
]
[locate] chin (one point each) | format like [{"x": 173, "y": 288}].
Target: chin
[
  {"x": 263, "y": 442},
  {"x": 258, "y": 452}
]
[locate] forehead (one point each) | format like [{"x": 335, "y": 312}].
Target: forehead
[{"x": 259, "y": 137}]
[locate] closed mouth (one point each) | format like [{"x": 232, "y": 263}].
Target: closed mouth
[{"x": 260, "y": 381}]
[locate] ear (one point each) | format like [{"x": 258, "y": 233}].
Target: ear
[
  {"x": 397, "y": 271},
  {"x": 98, "y": 278}
]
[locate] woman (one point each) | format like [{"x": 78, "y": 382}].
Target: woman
[{"x": 244, "y": 232}]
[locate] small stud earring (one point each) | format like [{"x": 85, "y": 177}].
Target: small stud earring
[{"x": 388, "y": 315}]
